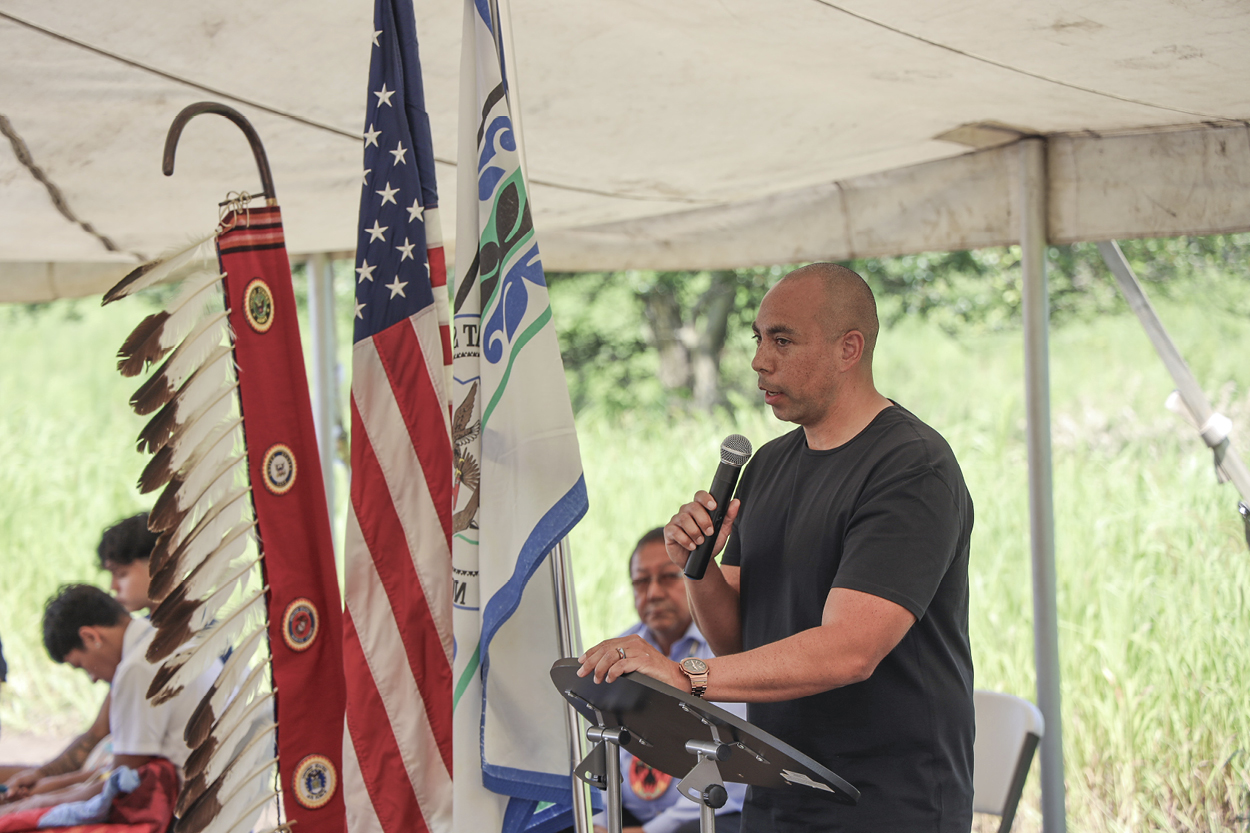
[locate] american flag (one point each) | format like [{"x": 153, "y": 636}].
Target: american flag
[{"x": 397, "y": 758}]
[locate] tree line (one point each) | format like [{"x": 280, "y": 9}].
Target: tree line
[{"x": 681, "y": 340}]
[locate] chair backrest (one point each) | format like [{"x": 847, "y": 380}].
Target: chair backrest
[{"x": 1008, "y": 729}]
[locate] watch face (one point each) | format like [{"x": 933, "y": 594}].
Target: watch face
[{"x": 694, "y": 665}]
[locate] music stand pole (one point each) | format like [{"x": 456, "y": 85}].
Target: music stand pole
[
  {"x": 611, "y": 740},
  {"x": 703, "y": 784}
]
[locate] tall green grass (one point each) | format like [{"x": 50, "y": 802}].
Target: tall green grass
[
  {"x": 67, "y": 465},
  {"x": 1152, "y": 563}
]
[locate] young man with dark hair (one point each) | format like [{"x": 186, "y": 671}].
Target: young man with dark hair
[
  {"x": 123, "y": 552},
  {"x": 90, "y": 630},
  {"x": 93, "y": 632}
]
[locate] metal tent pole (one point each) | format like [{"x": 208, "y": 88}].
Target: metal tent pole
[
  {"x": 1041, "y": 491},
  {"x": 325, "y": 387},
  {"x": 1187, "y": 386}
]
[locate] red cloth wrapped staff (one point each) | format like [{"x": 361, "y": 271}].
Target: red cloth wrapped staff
[{"x": 234, "y": 447}]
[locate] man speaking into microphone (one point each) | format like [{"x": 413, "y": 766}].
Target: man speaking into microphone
[{"x": 839, "y": 611}]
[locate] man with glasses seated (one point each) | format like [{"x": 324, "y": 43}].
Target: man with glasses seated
[{"x": 649, "y": 798}]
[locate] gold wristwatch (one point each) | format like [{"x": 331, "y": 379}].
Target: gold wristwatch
[{"x": 696, "y": 670}]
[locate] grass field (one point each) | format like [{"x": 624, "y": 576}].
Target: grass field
[{"x": 1152, "y": 562}]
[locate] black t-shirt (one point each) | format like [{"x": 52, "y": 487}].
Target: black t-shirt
[{"x": 888, "y": 514}]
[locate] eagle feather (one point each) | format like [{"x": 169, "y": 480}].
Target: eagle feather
[
  {"x": 169, "y": 267},
  {"x": 157, "y": 334},
  {"x": 189, "y": 663},
  {"x": 217, "y": 701},
  {"x": 213, "y": 521}
]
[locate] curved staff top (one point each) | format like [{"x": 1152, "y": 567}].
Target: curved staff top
[{"x": 660, "y": 720}]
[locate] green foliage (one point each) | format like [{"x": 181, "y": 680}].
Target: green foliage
[
  {"x": 613, "y": 345},
  {"x": 976, "y": 291},
  {"x": 609, "y": 340},
  {"x": 67, "y": 442},
  {"x": 603, "y": 342}
]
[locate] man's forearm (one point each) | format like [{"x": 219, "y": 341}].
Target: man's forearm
[
  {"x": 72, "y": 757},
  {"x": 801, "y": 665},
  {"x": 52, "y": 783},
  {"x": 714, "y": 605},
  {"x": 857, "y": 631},
  {"x": 76, "y": 792}
]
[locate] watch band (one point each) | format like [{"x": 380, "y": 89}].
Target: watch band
[{"x": 698, "y": 679}]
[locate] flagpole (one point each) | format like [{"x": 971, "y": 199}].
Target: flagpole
[{"x": 562, "y": 574}]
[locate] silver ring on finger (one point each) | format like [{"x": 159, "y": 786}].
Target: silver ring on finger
[{"x": 621, "y": 651}]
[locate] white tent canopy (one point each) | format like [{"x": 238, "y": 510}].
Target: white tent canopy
[{"x": 657, "y": 134}]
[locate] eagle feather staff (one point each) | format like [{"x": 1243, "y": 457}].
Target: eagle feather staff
[{"x": 244, "y": 558}]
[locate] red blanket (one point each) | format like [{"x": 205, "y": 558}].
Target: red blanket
[{"x": 149, "y": 809}]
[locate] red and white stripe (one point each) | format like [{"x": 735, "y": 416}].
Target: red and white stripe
[{"x": 397, "y": 625}]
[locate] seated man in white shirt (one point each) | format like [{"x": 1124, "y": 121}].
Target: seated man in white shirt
[
  {"x": 649, "y": 798},
  {"x": 123, "y": 551},
  {"x": 92, "y": 631}
]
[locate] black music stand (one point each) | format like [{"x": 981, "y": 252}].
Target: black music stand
[{"x": 677, "y": 733}]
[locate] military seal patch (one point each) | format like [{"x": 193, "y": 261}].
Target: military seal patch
[
  {"x": 278, "y": 469},
  {"x": 315, "y": 781},
  {"x": 258, "y": 305},
  {"x": 300, "y": 624}
]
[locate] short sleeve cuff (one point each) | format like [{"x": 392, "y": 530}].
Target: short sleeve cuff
[{"x": 890, "y": 594}]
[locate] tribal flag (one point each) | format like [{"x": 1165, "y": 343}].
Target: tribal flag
[
  {"x": 518, "y": 484},
  {"x": 397, "y": 755}
]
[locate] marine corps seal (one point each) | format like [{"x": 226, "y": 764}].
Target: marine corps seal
[{"x": 300, "y": 624}]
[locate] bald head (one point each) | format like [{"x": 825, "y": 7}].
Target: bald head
[{"x": 847, "y": 301}]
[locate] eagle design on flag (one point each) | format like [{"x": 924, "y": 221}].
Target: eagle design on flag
[{"x": 468, "y": 473}]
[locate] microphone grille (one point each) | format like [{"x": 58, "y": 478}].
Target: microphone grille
[{"x": 735, "y": 450}]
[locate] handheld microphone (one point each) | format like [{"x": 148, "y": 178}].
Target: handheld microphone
[{"x": 734, "y": 453}]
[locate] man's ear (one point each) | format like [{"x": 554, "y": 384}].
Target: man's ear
[
  {"x": 90, "y": 636},
  {"x": 852, "y": 348}
]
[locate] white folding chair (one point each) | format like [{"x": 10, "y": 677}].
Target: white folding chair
[{"x": 1008, "y": 729}]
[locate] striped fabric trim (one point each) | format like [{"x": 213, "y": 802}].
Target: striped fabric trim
[{"x": 257, "y": 228}]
